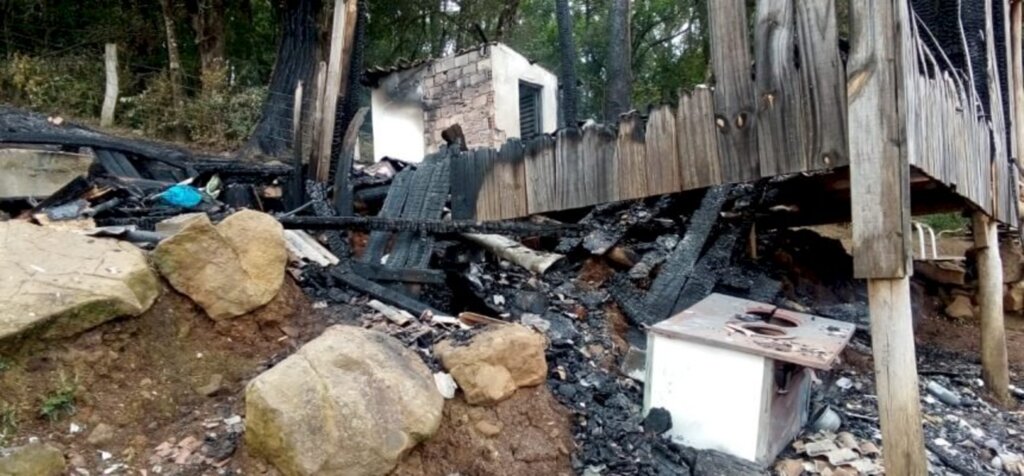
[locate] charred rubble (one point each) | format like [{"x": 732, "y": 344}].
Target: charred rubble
[{"x": 591, "y": 280}]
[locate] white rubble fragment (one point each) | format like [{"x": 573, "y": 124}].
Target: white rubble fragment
[{"x": 445, "y": 384}]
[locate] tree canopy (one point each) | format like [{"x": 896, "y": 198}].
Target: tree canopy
[{"x": 239, "y": 39}]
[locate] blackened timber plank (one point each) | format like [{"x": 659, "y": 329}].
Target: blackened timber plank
[
  {"x": 419, "y": 188},
  {"x": 392, "y": 208},
  {"x": 378, "y": 272},
  {"x": 676, "y": 270},
  {"x": 735, "y": 113},
  {"x": 382, "y": 293}
]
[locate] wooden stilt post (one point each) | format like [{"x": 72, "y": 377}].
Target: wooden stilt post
[
  {"x": 110, "y": 94},
  {"x": 880, "y": 206},
  {"x": 994, "y": 369}
]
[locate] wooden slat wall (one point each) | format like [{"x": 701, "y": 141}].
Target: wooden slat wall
[
  {"x": 735, "y": 114},
  {"x": 662, "y": 154},
  {"x": 793, "y": 119},
  {"x": 779, "y": 106},
  {"x": 631, "y": 152},
  {"x": 822, "y": 85},
  {"x": 697, "y": 140}
]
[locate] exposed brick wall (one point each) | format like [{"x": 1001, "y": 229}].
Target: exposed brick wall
[{"x": 459, "y": 90}]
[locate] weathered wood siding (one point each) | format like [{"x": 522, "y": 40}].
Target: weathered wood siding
[{"x": 782, "y": 103}]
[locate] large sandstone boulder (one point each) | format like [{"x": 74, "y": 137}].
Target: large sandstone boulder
[
  {"x": 494, "y": 363},
  {"x": 34, "y": 459},
  {"x": 58, "y": 283},
  {"x": 350, "y": 402},
  {"x": 229, "y": 269}
]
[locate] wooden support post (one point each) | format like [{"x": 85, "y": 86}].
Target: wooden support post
[
  {"x": 332, "y": 90},
  {"x": 294, "y": 196},
  {"x": 899, "y": 404},
  {"x": 346, "y": 156},
  {"x": 994, "y": 370},
  {"x": 880, "y": 206},
  {"x": 110, "y": 94}
]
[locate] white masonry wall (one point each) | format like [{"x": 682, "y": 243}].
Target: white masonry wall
[
  {"x": 397, "y": 114},
  {"x": 509, "y": 67}
]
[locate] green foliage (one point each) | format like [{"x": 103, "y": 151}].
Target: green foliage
[
  {"x": 60, "y": 401},
  {"x": 945, "y": 221},
  {"x": 4, "y": 364},
  {"x": 71, "y": 85},
  {"x": 8, "y": 421}
]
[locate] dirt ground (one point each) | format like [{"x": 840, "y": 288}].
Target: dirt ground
[
  {"x": 526, "y": 435},
  {"x": 144, "y": 378}
]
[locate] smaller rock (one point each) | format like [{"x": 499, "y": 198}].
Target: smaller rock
[
  {"x": 445, "y": 385},
  {"x": 215, "y": 385},
  {"x": 1012, "y": 259},
  {"x": 536, "y": 322},
  {"x": 483, "y": 383},
  {"x": 34, "y": 459},
  {"x": 495, "y": 362},
  {"x": 658, "y": 421},
  {"x": 943, "y": 394},
  {"x": 941, "y": 272},
  {"x": 487, "y": 428},
  {"x": 1013, "y": 297},
  {"x": 960, "y": 308},
  {"x": 100, "y": 435}
]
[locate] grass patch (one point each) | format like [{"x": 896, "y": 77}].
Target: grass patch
[
  {"x": 944, "y": 221},
  {"x": 8, "y": 421},
  {"x": 61, "y": 401},
  {"x": 4, "y": 364}
]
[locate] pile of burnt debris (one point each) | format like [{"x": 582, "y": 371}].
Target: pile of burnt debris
[{"x": 593, "y": 281}]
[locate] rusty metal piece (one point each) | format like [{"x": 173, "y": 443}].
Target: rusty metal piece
[{"x": 760, "y": 329}]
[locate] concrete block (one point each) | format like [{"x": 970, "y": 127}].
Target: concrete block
[{"x": 38, "y": 173}]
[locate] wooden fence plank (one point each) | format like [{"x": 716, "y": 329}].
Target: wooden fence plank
[
  {"x": 734, "y": 90},
  {"x": 467, "y": 175},
  {"x": 571, "y": 189},
  {"x": 822, "y": 85},
  {"x": 540, "y": 174},
  {"x": 697, "y": 140},
  {"x": 662, "y": 152},
  {"x": 506, "y": 182},
  {"x": 632, "y": 158},
  {"x": 779, "y": 117},
  {"x": 598, "y": 153}
]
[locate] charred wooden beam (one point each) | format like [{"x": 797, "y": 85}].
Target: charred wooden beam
[
  {"x": 169, "y": 156},
  {"x": 679, "y": 267},
  {"x": 516, "y": 228},
  {"x": 379, "y": 272},
  {"x": 382, "y": 293}
]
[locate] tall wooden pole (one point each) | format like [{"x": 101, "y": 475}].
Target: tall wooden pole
[
  {"x": 994, "y": 369},
  {"x": 880, "y": 206},
  {"x": 332, "y": 91},
  {"x": 296, "y": 184},
  {"x": 110, "y": 94}
]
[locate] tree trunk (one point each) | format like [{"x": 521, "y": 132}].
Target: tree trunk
[
  {"x": 173, "y": 58},
  {"x": 208, "y": 23},
  {"x": 296, "y": 61},
  {"x": 620, "y": 77},
  {"x": 567, "y": 53}
]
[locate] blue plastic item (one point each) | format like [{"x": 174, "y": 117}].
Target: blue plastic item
[{"x": 183, "y": 196}]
